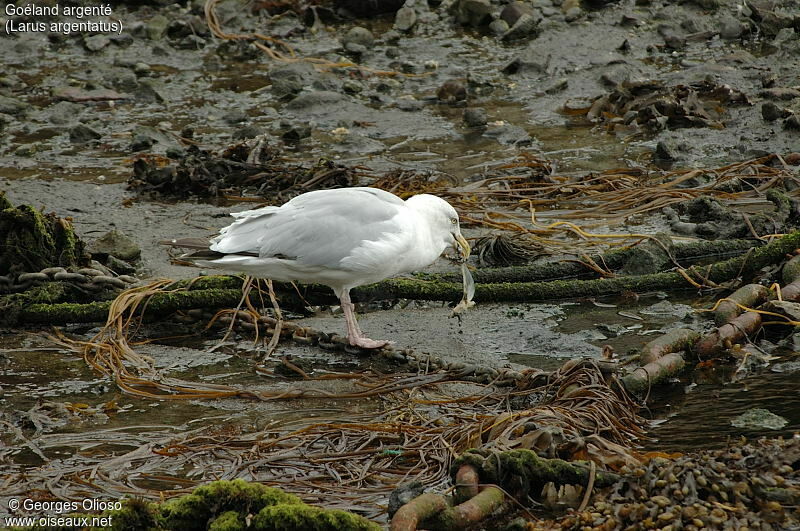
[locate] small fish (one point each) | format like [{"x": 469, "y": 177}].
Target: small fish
[{"x": 469, "y": 292}]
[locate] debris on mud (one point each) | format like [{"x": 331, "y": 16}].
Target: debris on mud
[
  {"x": 240, "y": 169},
  {"x": 653, "y": 106}
]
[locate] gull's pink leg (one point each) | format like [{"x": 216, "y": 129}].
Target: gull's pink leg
[{"x": 354, "y": 334}]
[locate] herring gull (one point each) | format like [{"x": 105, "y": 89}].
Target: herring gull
[{"x": 342, "y": 238}]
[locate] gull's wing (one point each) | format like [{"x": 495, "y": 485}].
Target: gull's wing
[{"x": 346, "y": 228}]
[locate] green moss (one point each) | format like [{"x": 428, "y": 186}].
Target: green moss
[
  {"x": 228, "y": 521},
  {"x": 307, "y": 518},
  {"x": 194, "y": 510}
]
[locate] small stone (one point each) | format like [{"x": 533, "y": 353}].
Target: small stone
[
  {"x": 513, "y": 11},
  {"x": 114, "y": 243},
  {"x": 235, "y": 116},
  {"x": 82, "y": 133},
  {"x": 498, "y": 26},
  {"x": 141, "y": 142},
  {"x": 759, "y": 419},
  {"x": 573, "y": 14},
  {"x": 674, "y": 41},
  {"x": 405, "y": 19},
  {"x": 314, "y": 98},
  {"x": 771, "y": 112},
  {"x": 525, "y": 27},
  {"x": 792, "y": 123},
  {"x": 475, "y": 117},
  {"x": 12, "y": 106},
  {"x": 156, "y": 27},
  {"x": 142, "y": 69},
  {"x": 452, "y": 91},
  {"x": 473, "y": 12},
  {"x": 730, "y": 28},
  {"x": 248, "y": 131},
  {"x": 360, "y": 36},
  {"x": 120, "y": 267},
  {"x": 95, "y": 43},
  {"x": 297, "y": 132}
]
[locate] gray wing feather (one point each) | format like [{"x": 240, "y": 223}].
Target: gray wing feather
[{"x": 322, "y": 228}]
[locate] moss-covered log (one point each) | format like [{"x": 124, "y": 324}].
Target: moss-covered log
[
  {"x": 685, "y": 255},
  {"x": 31, "y": 241},
  {"x": 410, "y": 288}
]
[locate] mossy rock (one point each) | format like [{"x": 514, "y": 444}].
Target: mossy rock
[{"x": 31, "y": 241}]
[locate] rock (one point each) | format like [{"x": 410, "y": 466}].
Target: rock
[
  {"x": 473, "y": 12},
  {"x": 147, "y": 92},
  {"x": 360, "y": 8},
  {"x": 297, "y": 131},
  {"x": 404, "y": 494},
  {"x": 792, "y": 123},
  {"x": 616, "y": 74},
  {"x": 235, "y": 116},
  {"x": 665, "y": 152},
  {"x": 573, "y": 14},
  {"x": 730, "y": 28},
  {"x": 498, "y": 26},
  {"x": 120, "y": 267},
  {"x": 525, "y": 27},
  {"x": 116, "y": 244},
  {"x": 141, "y": 142},
  {"x": 508, "y": 134},
  {"x": 156, "y": 27},
  {"x": 531, "y": 60},
  {"x": 95, "y": 43},
  {"x": 63, "y": 112},
  {"x": 12, "y": 106},
  {"x": 759, "y": 419},
  {"x": 82, "y": 133},
  {"x": 315, "y": 98},
  {"x": 674, "y": 41},
  {"x": 649, "y": 257},
  {"x": 475, "y": 117},
  {"x": 405, "y": 19},
  {"x": 452, "y": 91},
  {"x": 358, "y": 35},
  {"x": 351, "y": 86},
  {"x": 513, "y": 11},
  {"x": 780, "y": 93},
  {"x": 145, "y": 137},
  {"x": 771, "y": 112},
  {"x": 288, "y": 80},
  {"x": 785, "y": 308}
]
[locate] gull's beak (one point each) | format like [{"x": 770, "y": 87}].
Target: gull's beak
[{"x": 462, "y": 247}]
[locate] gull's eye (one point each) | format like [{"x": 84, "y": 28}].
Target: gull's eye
[{"x": 454, "y": 221}]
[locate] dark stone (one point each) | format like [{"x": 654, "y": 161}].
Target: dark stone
[
  {"x": 649, "y": 257},
  {"x": 120, "y": 267},
  {"x": 525, "y": 27},
  {"x": 792, "y": 123},
  {"x": 141, "y": 142},
  {"x": 771, "y": 112},
  {"x": 63, "y": 112},
  {"x": 288, "y": 80},
  {"x": 508, "y": 134},
  {"x": 473, "y": 12},
  {"x": 404, "y": 494},
  {"x": 513, "y": 11},
  {"x": 368, "y": 8},
  {"x": 452, "y": 91},
  {"x": 235, "y": 116},
  {"x": 730, "y": 28},
  {"x": 297, "y": 132},
  {"x": 360, "y": 36},
  {"x": 475, "y": 117},
  {"x": 82, "y": 133},
  {"x": 147, "y": 93}
]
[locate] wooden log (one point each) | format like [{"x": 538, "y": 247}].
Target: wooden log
[
  {"x": 751, "y": 295},
  {"x": 726, "y": 335},
  {"x": 675, "y": 340},
  {"x": 655, "y": 372}
]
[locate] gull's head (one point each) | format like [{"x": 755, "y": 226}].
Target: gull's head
[{"x": 442, "y": 220}]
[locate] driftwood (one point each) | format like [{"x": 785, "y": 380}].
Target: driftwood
[
  {"x": 676, "y": 340},
  {"x": 751, "y": 295},
  {"x": 657, "y": 371},
  {"x": 726, "y": 335}
]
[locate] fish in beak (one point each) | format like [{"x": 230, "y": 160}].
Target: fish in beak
[{"x": 462, "y": 247}]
